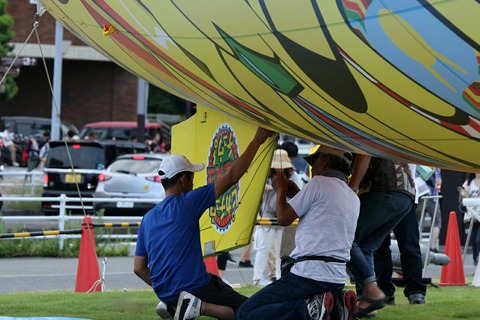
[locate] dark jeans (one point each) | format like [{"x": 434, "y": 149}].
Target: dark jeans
[
  {"x": 222, "y": 261},
  {"x": 408, "y": 238},
  {"x": 380, "y": 212},
  {"x": 216, "y": 292},
  {"x": 284, "y": 298}
]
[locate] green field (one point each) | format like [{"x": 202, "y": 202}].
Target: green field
[{"x": 444, "y": 303}]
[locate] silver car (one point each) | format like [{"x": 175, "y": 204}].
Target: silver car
[{"x": 132, "y": 176}]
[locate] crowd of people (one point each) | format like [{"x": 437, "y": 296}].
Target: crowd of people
[
  {"x": 30, "y": 152},
  {"x": 346, "y": 214},
  {"x": 33, "y": 150}
]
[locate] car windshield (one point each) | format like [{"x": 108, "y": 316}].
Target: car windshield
[
  {"x": 30, "y": 128},
  {"x": 84, "y": 157},
  {"x": 135, "y": 166}
]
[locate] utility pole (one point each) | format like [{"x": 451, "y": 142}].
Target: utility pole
[
  {"x": 142, "y": 99},
  {"x": 57, "y": 83}
]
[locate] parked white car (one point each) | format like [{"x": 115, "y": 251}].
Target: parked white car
[{"x": 131, "y": 176}]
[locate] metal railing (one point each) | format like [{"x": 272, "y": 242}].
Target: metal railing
[
  {"x": 63, "y": 207},
  {"x": 433, "y": 217},
  {"x": 30, "y": 179}
]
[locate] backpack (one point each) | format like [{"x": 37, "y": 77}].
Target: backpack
[{"x": 26, "y": 150}]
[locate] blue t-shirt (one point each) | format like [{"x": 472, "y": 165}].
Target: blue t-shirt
[{"x": 169, "y": 236}]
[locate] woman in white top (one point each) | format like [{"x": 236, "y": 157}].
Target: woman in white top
[
  {"x": 470, "y": 189},
  {"x": 269, "y": 238}
]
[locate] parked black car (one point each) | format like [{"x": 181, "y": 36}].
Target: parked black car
[{"x": 88, "y": 159}]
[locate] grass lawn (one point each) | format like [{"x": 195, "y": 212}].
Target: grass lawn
[{"x": 444, "y": 303}]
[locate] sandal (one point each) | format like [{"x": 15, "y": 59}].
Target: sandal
[{"x": 373, "y": 305}]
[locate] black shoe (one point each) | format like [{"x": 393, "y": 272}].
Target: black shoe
[
  {"x": 230, "y": 258},
  {"x": 245, "y": 264},
  {"x": 390, "y": 300},
  {"x": 416, "y": 298}
]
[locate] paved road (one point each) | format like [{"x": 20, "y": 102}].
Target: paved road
[{"x": 51, "y": 274}]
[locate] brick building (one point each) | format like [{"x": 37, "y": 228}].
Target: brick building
[{"x": 93, "y": 88}]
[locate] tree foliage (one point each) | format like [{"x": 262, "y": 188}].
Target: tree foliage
[{"x": 6, "y": 36}]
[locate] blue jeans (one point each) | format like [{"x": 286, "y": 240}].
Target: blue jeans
[
  {"x": 285, "y": 298},
  {"x": 380, "y": 212}
]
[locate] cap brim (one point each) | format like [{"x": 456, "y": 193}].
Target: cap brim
[
  {"x": 281, "y": 165},
  {"x": 197, "y": 167},
  {"x": 310, "y": 158}
]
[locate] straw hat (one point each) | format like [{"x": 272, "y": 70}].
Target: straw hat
[{"x": 280, "y": 160}]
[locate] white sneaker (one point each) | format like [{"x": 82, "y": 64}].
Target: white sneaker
[
  {"x": 2, "y": 167},
  {"x": 320, "y": 306},
  {"x": 262, "y": 282},
  {"x": 162, "y": 311},
  {"x": 188, "y": 307},
  {"x": 346, "y": 305},
  {"x": 15, "y": 164}
]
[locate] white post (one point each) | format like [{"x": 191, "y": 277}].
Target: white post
[
  {"x": 103, "y": 273},
  {"x": 61, "y": 219}
]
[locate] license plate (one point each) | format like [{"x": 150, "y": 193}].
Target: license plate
[
  {"x": 124, "y": 204},
  {"x": 73, "y": 178}
]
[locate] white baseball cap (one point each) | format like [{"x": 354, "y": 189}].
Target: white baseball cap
[{"x": 176, "y": 163}]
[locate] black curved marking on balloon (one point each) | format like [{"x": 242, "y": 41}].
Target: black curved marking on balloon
[
  {"x": 202, "y": 66},
  {"x": 333, "y": 76},
  {"x": 434, "y": 12}
]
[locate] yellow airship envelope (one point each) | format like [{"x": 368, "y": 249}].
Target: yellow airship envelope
[{"x": 395, "y": 79}]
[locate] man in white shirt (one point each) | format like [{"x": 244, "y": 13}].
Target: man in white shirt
[
  {"x": 327, "y": 210},
  {"x": 9, "y": 143}
]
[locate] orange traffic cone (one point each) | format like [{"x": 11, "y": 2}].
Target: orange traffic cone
[
  {"x": 452, "y": 273},
  {"x": 88, "y": 273},
  {"x": 211, "y": 264}
]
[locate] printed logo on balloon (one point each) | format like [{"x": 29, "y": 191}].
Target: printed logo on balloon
[{"x": 223, "y": 152}]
